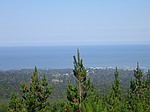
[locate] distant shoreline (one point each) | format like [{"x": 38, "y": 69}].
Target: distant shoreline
[{"x": 94, "y": 68}]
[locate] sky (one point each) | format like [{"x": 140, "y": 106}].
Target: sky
[{"x": 69, "y": 22}]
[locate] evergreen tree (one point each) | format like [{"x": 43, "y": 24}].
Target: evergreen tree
[
  {"x": 92, "y": 103},
  {"x": 73, "y": 97},
  {"x": 147, "y": 91},
  {"x": 57, "y": 106},
  {"x": 34, "y": 96},
  {"x": 80, "y": 74},
  {"x": 77, "y": 93},
  {"x": 137, "y": 90},
  {"x": 115, "y": 86},
  {"x": 15, "y": 104},
  {"x": 148, "y": 79},
  {"x": 113, "y": 100}
]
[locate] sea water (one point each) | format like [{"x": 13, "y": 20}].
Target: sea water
[{"x": 61, "y": 57}]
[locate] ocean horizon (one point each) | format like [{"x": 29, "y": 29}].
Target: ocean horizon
[{"x": 61, "y": 56}]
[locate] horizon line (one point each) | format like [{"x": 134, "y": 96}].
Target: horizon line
[{"x": 26, "y": 45}]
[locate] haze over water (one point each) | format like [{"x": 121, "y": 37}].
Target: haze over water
[{"x": 60, "y": 57}]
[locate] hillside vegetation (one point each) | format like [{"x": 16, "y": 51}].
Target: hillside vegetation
[{"x": 75, "y": 90}]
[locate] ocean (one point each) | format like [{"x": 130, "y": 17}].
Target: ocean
[{"x": 61, "y": 57}]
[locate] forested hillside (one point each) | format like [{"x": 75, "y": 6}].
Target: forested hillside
[{"x": 75, "y": 90}]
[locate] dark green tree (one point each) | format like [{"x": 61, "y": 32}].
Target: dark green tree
[
  {"x": 34, "y": 95},
  {"x": 73, "y": 97},
  {"x": 92, "y": 103},
  {"x": 147, "y": 82},
  {"x": 115, "y": 86},
  {"x": 148, "y": 79},
  {"x": 15, "y": 104},
  {"x": 113, "y": 99},
  {"x": 147, "y": 91},
  {"x": 136, "y": 100},
  {"x": 80, "y": 74},
  {"x": 57, "y": 106},
  {"x": 77, "y": 93}
]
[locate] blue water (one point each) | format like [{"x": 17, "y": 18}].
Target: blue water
[{"x": 62, "y": 56}]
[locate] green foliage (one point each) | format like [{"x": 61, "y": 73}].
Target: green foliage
[
  {"x": 92, "y": 103},
  {"x": 148, "y": 79},
  {"x": 147, "y": 92},
  {"x": 113, "y": 99},
  {"x": 138, "y": 73},
  {"x": 34, "y": 96},
  {"x": 15, "y": 104},
  {"x": 82, "y": 96},
  {"x": 77, "y": 93},
  {"x": 3, "y": 105},
  {"x": 79, "y": 69},
  {"x": 115, "y": 86},
  {"x": 92, "y": 106},
  {"x": 73, "y": 96},
  {"x": 138, "y": 93},
  {"x": 57, "y": 106}
]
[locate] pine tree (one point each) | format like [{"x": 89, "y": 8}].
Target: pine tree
[
  {"x": 34, "y": 96},
  {"x": 92, "y": 103},
  {"x": 15, "y": 104},
  {"x": 136, "y": 84},
  {"x": 147, "y": 91},
  {"x": 136, "y": 92},
  {"x": 115, "y": 86},
  {"x": 148, "y": 78},
  {"x": 80, "y": 74},
  {"x": 73, "y": 97},
  {"x": 77, "y": 93},
  {"x": 113, "y": 100}
]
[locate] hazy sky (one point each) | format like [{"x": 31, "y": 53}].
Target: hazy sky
[{"x": 53, "y": 22}]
